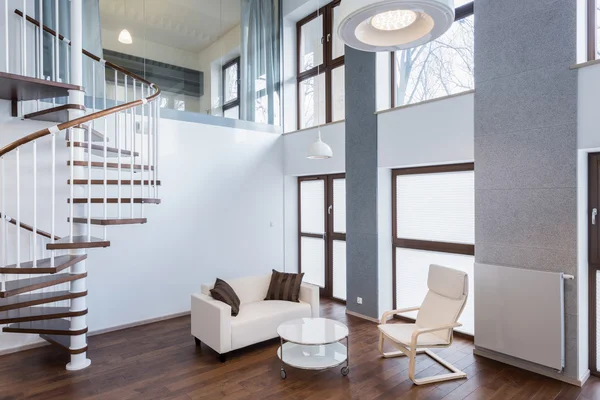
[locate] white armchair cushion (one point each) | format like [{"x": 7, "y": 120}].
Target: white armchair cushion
[
  {"x": 447, "y": 282},
  {"x": 403, "y": 333},
  {"x": 437, "y": 311},
  {"x": 258, "y": 321}
]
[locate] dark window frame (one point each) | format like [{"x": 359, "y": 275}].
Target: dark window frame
[
  {"x": 462, "y": 12},
  {"x": 329, "y": 236},
  {"x": 236, "y": 102},
  {"x": 593, "y": 256},
  {"x": 592, "y": 30},
  {"x": 443, "y": 247},
  {"x": 328, "y": 65}
]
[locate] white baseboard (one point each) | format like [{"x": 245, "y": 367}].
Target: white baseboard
[
  {"x": 355, "y": 314},
  {"x": 538, "y": 369},
  {"x": 97, "y": 332},
  {"x": 138, "y": 323}
]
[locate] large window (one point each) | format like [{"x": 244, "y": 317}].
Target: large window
[
  {"x": 320, "y": 69},
  {"x": 231, "y": 89},
  {"x": 433, "y": 223},
  {"x": 439, "y": 68},
  {"x": 322, "y": 233}
]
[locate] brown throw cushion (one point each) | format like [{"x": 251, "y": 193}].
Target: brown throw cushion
[
  {"x": 284, "y": 286},
  {"x": 225, "y": 293}
]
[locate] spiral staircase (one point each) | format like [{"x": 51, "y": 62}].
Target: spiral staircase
[{"x": 110, "y": 163}]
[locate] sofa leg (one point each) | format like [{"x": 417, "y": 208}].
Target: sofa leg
[
  {"x": 198, "y": 342},
  {"x": 223, "y": 357}
]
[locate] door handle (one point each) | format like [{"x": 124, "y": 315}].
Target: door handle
[
  {"x": 594, "y": 214},
  {"x": 329, "y": 209}
]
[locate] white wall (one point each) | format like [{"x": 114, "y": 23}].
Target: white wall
[
  {"x": 150, "y": 50},
  {"x": 222, "y": 190},
  {"x": 211, "y": 61},
  {"x": 436, "y": 132}
]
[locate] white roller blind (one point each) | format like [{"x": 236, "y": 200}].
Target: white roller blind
[
  {"x": 339, "y": 269},
  {"x": 412, "y": 267},
  {"x": 436, "y": 207},
  {"x": 312, "y": 206},
  {"x": 339, "y": 205},
  {"x": 312, "y": 256}
]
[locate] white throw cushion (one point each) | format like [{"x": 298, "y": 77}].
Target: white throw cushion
[
  {"x": 249, "y": 289},
  {"x": 258, "y": 321},
  {"x": 403, "y": 333},
  {"x": 447, "y": 282}
]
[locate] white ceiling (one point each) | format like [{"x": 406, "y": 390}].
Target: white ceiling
[{"x": 190, "y": 25}]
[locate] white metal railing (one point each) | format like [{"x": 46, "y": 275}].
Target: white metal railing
[{"x": 28, "y": 196}]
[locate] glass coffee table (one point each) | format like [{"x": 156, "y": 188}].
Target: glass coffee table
[{"x": 313, "y": 343}]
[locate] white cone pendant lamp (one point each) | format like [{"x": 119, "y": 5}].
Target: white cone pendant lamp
[
  {"x": 319, "y": 150},
  {"x": 125, "y": 37},
  {"x": 389, "y": 25}
]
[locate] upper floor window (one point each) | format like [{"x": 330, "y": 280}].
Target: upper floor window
[
  {"x": 439, "y": 68},
  {"x": 231, "y": 89},
  {"x": 320, "y": 68}
]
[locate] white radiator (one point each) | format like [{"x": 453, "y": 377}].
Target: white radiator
[{"x": 520, "y": 313}]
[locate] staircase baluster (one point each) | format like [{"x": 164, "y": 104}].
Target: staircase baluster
[
  {"x": 6, "y": 46},
  {"x": 24, "y": 38},
  {"x": 142, "y": 133},
  {"x": 53, "y": 200},
  {"x": 151, "y": 149},
  {"x": 89, "y": 205},
  {"x": 156, "y": 139},
  {"x": 40, "y": 39},
  {"x": 71, "y": 189},
  {"x": 35, "y": 199},
  {"x": 132, "y": 157},
  {"x": 93, "y": 93},
  {"x": 57, "y": 42},
  {"x": 18, "y": 156},
  {"x": 105, "y": 153},
  {"x": 3, "y": 226}
]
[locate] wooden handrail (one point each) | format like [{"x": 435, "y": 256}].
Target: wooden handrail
[
  {"x": 86, "y": 118},
  {"x": 29, "y": 227}
]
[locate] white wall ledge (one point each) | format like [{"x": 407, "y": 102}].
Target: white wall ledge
[{"x": 426, "y": 101}]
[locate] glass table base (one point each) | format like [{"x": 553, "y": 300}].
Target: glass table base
[{"x": 314, "y": 357}]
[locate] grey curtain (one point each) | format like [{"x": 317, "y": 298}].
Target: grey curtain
[{"x": 260, "y": 58}]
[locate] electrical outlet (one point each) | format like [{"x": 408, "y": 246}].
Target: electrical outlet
[{"x": 359, "y": 300}]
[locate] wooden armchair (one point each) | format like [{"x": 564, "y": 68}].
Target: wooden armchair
[{"x": 437, "y": 317}]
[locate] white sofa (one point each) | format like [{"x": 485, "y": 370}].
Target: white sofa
[{"x": 257, "y": 319}]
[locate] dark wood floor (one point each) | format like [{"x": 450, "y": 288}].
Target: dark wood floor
[{"x": 160, "y": 361}]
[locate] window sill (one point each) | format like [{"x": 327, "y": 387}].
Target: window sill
[
  {"x": 585, "y": 64},
  {"x": 426, "y": 102},
  {"x": 315, "y": 127}
]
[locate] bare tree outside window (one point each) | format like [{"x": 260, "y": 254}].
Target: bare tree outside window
[
  {"x": 597, "y": 30},
  {"x": 436, "y": 69}
]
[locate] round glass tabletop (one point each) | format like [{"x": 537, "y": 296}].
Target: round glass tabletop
[{"x": 312, "y": 331}]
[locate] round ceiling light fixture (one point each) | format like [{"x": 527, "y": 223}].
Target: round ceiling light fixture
[{"x": 389, "y": 25}]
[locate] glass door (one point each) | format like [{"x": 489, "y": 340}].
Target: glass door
[
  {"x": 594, "y": 261},
  {"x": 322, "y": 233}
]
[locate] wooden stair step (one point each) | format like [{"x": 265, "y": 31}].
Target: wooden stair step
[
  {"x": 34, "y": 299},
  {"x": 57, "y": 114},
  {"x": 98, "y": 150},
  {"x": 44, "y": 266},
  {"x": 114, "y": 200},
  {"x": 48, "y": 327},
  {"x": 97, "y": 136},
  {"x": 77, "y": 242},
  {"x": 124, "y": 182},
  {"x": 18, "y": 87},
  {"x": 109, "y": 221},
  {"x": 38, "y": 314},
  {"x": 64, "y": 342},
  {"x": 25, "y": 285},
  {"x": 111, "y": 165}
]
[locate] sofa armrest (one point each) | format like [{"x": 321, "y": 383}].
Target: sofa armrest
[
  {"x": 211, "y": 322},
  {"x": 310, "y": 294}
]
